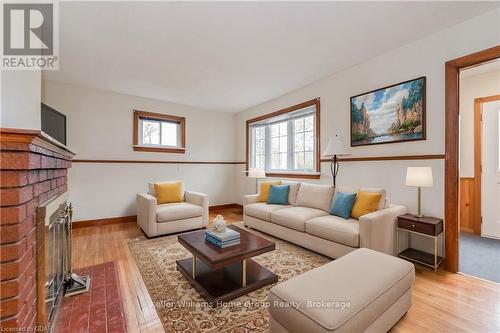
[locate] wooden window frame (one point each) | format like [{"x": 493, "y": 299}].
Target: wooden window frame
[
  {"x": 138, "y": 115},
  {"x": 304, "y": 175}
]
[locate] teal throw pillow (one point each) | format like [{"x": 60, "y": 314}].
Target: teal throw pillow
[
  {"x": 342, "y": 204},
  {"x": 278, "y": 194}
]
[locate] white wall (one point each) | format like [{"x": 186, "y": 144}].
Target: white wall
[
  {"x": 472, "y": 87},
  {"x": 425, "y": 57},
  {"x": 20, "y": 99},
  {"x": 100, "y": 127}
]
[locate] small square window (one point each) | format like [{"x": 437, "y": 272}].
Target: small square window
[{"x": 158, "y": 132}]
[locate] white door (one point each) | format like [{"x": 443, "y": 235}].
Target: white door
[{"x": 490, "y": 181}]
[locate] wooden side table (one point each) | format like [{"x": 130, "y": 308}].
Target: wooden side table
[{"x": 425, "y": 226}]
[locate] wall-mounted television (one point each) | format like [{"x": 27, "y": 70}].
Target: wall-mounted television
[{"x": 54, "y": 123}]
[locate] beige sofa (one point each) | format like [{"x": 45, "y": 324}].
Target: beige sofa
[
  {"x": 306, "y": 221},
  {"x": 155, "y": 220}
]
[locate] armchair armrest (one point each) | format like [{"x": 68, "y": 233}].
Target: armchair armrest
[
  {"x": 250, "y": 199},
  {"x": 377, "y": 230},
  {"x": 146, "y": 213},
  {"x": 198, "y": 199}
]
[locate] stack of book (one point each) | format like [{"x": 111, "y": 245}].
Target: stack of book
[{"x": 223, "y": 239}]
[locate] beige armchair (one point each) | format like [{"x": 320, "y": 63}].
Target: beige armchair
[{"x": 155, "y": 220}]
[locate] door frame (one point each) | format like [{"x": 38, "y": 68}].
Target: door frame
[
  {"x": 452, "y": 126},
  {"x": 478, "y": 174}
]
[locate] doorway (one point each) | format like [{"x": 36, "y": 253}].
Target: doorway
[
  {"x": 479, "y": 216},
  {"x": 452, "y": 126}
]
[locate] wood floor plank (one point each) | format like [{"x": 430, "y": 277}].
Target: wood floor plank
[{"x": 442, "y": 302}]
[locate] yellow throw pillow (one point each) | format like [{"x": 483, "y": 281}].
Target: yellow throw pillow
[
  {"x": 264, "y": 189},
  {"x": 168, "y": 192},
  {"x": 366, "y": 202}
]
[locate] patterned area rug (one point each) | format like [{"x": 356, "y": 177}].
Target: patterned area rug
[{"x": 179, "y": 306}]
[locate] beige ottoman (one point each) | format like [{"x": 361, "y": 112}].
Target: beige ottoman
[{"x": 363, "y": 291}]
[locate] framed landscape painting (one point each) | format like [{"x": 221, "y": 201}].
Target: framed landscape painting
[{"x": 391, "y": 114}]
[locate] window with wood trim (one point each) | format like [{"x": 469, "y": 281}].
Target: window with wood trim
[
  {"x": 157, "y": 132},
  {"x": 286, "y": 142}
]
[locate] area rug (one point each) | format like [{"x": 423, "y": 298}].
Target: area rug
[{"x": 179, "y": 306}]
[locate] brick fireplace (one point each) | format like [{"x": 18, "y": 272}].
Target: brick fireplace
[{"x": 33, "y": 171}]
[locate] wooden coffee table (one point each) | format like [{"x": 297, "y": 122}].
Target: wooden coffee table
[{"x": 220, "y": 275}]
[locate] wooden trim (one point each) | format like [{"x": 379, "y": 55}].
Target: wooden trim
[
  {"x": 285, "y": 110},
  {"x": 133, "y": 218},
  {"x": 477, "y": 166},
  {"x": 138, "y": 114},
  {"x": 487, "y": 99},
  {"x": 103, "y": 221},
  {"x": 452, "y": 127},
  {"x": 153, "y": 162},
  {"x": 478, "y": 109},
  {"x": 292, "y": 108},
  {"x": 424, "y": 109},
  {"x": 389, "y": 158},
  {"x": 35, "y": 137},
  {"x": 294, "y": 175},
  {"x": 160, "y": 149}
]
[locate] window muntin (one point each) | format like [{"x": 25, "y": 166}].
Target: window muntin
[{"x": 286, "y": 142}]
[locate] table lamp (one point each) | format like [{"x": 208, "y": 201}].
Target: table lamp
[
  {"x": 419, "y": 177},
  {"x": 333, "y": 149},
  {"x": 256, "y": 173}
]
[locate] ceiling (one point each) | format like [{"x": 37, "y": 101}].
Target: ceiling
[{"x": 230, "y": 56}]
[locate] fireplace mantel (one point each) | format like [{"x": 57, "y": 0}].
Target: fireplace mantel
[{"x": 33, "y": 171}]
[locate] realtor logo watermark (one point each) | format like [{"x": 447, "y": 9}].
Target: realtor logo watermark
[{"x": 30, "y": 36}]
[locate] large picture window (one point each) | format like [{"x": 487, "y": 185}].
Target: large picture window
[
  {"x": 285, "y": 142},
  {"x": 158, "y": 132}
]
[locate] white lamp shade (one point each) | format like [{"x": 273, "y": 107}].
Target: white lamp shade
[
  {"x": 335, "y": 147},
  {"x": 256, "y": 173},
  {"x": 419, "y": 176}
]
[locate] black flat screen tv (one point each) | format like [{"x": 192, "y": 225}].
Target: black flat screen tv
[{"x": 54, "y": 123}]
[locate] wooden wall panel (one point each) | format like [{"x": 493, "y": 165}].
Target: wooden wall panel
[{"x": 468, "y": 206}]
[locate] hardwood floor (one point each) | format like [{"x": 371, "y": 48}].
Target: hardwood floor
[{"x": 442, "y": 302}]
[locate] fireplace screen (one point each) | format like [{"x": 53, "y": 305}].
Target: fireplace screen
[
  {"x": 53, "y": 224},
  {"x": 55, "y": 259}
]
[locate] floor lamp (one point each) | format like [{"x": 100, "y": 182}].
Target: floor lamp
[
  {"x": 256, "y": 173},
  {"x": 334, "y": 149}
]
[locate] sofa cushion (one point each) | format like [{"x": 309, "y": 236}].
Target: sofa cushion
[
  {"x": 315, "y": 196},
  {"x": 169, "y": 192},
  {"x": 366, "y": 203},
  {"x": 177, "y": 211},
  {"x": 295, "y": 217},
  {"x": 342, "y": 204},
  {"x": 264, "y": 189},
  {"x": 278, "y": 194},
  {"x": 335, "y": 229},
  {"x": 294, "y": 191},
  {"x": 383, "y": 200},
  {"x": 261, "y": 210},
  {"x": 368, "y": 281}
]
